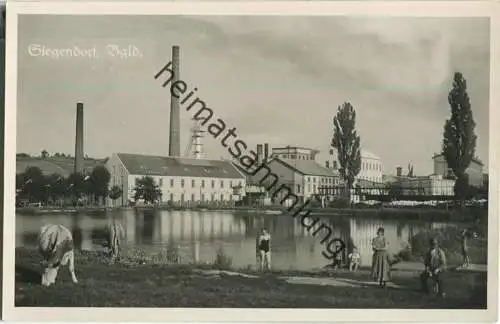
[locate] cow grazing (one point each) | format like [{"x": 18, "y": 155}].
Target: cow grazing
[
  {"x": 55, "y": 244},
  {"x": 114, "y": 237}
]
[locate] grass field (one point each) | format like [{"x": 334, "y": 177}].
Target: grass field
[{"x": 119, "y": 285}]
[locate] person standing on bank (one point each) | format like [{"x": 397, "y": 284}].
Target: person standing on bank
[
  {"x": 264, "y": 250},
  {"x": 380, "y": 262},
  {"x": 435, "y": 265},
  {"x": 465, "y": 249}
]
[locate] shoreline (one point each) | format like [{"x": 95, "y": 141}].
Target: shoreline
[{"x": 412, "y": 213}]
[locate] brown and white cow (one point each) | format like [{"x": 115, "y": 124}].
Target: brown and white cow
[
  {"x": 55, "y": 244},
  {"x": 114, "y": 237}
]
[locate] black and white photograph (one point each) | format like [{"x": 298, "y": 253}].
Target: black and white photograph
[{"x": 161, "y": 158}]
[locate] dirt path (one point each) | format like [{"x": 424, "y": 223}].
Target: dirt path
[{"x": 342, "y": 282}]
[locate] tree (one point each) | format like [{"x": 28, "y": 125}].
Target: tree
[
  {"x": 459, "y": 140},
  {"x": 347, "y": 142},
  {"x": 44, "y": 154},
  {"x": 57, "y": 187},
  {"x": 147, "y": 190},
  {"x": 115, "y": 192},
  {"x": 31, "y": 184},
  {"x": 76, "y": 185},
  {"x": 99, "y": 181}
]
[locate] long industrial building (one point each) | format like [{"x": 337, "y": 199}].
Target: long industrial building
[{"x": 181, "y": 180}]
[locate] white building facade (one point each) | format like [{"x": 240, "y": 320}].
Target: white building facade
[
  {"x": 294, "y": 153},
  {"x": 371, "y": 166},
  {"x": 180, "y": 180}
]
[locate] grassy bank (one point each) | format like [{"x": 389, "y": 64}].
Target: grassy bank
[{"x": 157, "y": 285}]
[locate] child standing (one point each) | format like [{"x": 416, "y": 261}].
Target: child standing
[
  {"x": 354, "y": 259},
  {"x": 337, "y": 261}
]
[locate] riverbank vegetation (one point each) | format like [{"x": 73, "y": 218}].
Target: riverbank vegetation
[
  {"x": 170, "y": 285},
  {"x": 450, "y": 241}
]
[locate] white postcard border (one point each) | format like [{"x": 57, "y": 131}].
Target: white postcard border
[{"x": 358, "y": 8}]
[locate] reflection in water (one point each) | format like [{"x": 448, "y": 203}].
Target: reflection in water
[{"x": 203, "y": 233}]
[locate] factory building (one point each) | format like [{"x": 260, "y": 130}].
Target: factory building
[
  {"x": 297, "y": 169},
  {"x": 181, "y": 180}
]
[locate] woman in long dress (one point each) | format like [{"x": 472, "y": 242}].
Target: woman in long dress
[{"x": 380, "y": 263}]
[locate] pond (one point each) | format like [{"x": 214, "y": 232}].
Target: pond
[{"x": 293, "y": 247}]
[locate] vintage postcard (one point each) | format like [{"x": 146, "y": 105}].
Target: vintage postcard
[{"x": 288, "y": 161}]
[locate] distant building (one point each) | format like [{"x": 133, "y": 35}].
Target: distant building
[
  {"x": 294, "y": 153},
  {"x": 371, "y": 166},
  {"x": 474, "y": 171},
  {"x": 306, "y": 178},
  {"x": 432, "y": 185},
  {"x": 181, "y": 180},
  {"x": 296, "y": 168}
]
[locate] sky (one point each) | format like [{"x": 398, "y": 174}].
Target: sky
[{"x": 276, "y": 79}]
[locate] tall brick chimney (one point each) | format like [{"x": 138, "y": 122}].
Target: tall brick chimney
[
  {"x": 79, "y": 139},
  {"x": 174, "y": 141},
  {"x": 266, "y": 152},
  {"x": 260, "y": 153}
]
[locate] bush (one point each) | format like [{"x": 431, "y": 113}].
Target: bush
[
  {"x": 404, "y": 255},
  {"x": 134, "y": 255},
  {"x": 340, "y": 202},
  {"x": 315, "y": 204},
  {"x": 223, "y": 261},
  {"x": 173, "y": 254}
]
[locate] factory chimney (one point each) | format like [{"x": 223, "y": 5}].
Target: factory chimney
[
  {"x": 266, "y": 152},
  {"x": 260, "y": 154},
  {"x": 174, "y": 148},
  {"x": 79, "y": 139}
]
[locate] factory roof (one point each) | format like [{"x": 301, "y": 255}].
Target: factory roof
[
  {"x": 369, "y": 155},
  {"x": 306, "y": 167},
  {"x": 291, "y": 148},
  {"x": 63, "y": 166},
  {"x": 138, "y": 164}
]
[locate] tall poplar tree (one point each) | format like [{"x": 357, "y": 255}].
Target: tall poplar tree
[
  {"x": 347, "y": 143},
  {"x": 459, "y": 140}
]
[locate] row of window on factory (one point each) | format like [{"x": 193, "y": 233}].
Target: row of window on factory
[
  {"x": 203, "y": 183},
  {"x": 330, "y": 180}
]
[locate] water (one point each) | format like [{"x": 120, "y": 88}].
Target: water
[{"x": 293, "y": 247}]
